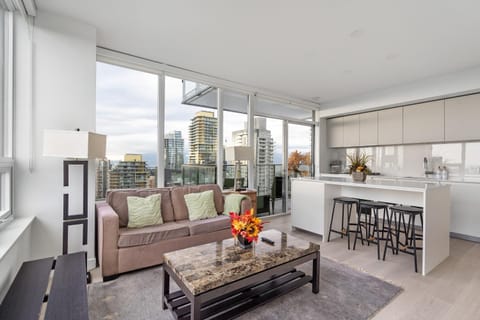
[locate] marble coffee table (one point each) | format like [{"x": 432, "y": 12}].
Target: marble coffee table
[{"x": 220, "y": 280}]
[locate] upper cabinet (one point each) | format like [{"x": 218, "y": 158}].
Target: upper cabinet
[
  {"x": 368, "y": 127},
  {"x": 424, "y": 122},
  {"x": 351, "y": 131},
  {"x": 449, "y": 120},
  {"x": 335, "y": 132},
  {"x": 390, "y": 126},
  {"x": 462, "y": 117}
]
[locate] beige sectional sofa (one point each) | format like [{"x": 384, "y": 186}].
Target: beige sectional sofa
[{"x": 122, "y": 249}]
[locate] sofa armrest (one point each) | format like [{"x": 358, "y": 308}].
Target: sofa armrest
[{"x": 108, "y": 231}]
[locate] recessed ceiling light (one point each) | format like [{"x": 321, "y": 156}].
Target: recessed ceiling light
[
  {"x": 392, "y": 56},
  {"x": 357, "y": 33}
]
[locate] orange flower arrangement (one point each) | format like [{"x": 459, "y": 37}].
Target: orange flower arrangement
[{"x": 246, "y": 225}]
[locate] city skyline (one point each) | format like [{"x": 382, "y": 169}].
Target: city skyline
[{"x": 127, "y": 114}]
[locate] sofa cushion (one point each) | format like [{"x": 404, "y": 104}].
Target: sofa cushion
[
  {"x": 117, "y": 199},
  {"x": 200, "y": 205},
  {"x": 178, "y": 201},
  {"x": 148, "y": 235},
  {"x": 167, "y": 209},
  {"x": 208, "y": 225},
  {"x": 143, "y": 212}
]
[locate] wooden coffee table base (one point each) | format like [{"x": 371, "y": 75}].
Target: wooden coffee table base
[{"x": 235, "y": 298}]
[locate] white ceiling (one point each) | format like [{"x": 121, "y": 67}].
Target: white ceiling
[{"x": 318, "y": 50}]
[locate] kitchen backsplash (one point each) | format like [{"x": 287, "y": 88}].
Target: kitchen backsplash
[{"x": 461, "y": 159}]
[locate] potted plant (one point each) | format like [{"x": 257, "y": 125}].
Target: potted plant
[{"x": 358, "y": 166}]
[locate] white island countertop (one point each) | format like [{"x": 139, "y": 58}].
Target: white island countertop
[
  {"x": 400, "y": 185},
  {"x": 451, "y": 180},
  {"x": 312, "y": 208}
]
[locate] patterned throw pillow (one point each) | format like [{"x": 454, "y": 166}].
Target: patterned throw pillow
[
  {"x": 200, "y": 205},
  {"x": 144, "y": 212}
]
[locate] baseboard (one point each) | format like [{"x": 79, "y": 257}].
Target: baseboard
[
  {"x": 464, "y": 237},
  {"x": 91, "y": 264}
]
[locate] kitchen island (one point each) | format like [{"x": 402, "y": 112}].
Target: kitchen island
[{"x": 312, "y": 202}]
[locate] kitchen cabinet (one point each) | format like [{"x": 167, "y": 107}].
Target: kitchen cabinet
[
  {"x": 351, "y": 131},
  {"x": 368, "y": 128},
  {"x": 462, "y": 116},
  {"x": 424, "y": 122},
  {"x": 335, "y": 132},
  {"x": 390, "y": 126}
]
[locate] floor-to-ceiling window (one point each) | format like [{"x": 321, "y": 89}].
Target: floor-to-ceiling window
[
  {"x": 283, "y": 149},
  {"x": 268, "y": 164},
  {"x": 191, "y": 127},
  {"x": 197, "y": 121},
  {"x": 6, "y": 115},
  {"x": 127, "y": 104},
  {"x": 234, "y": 134}
]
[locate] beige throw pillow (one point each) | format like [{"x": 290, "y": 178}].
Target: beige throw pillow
[
  {"x": 144, "y": 212},
  {"x": 200, "y": 205}
]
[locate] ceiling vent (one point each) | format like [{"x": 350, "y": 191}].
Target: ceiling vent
[{"x": 25, "y": 7}]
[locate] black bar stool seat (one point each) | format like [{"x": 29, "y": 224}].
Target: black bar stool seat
[
  {"x": 346, "y": 200},
  {"x": 408, "y": 209},
  {"x": 348, "y": 203},
  {"x": 374, "y": 204}
]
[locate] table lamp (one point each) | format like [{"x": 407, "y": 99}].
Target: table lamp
[
  {"x": 76, "y": 147},
  {"x": 237, "y": 154}
]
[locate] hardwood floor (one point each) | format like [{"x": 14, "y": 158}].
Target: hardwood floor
[{"x": 451, "y": 291}]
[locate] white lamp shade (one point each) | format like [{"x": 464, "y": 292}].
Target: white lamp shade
[
  {"x": 238, "y": 153},
  {"x": 74, "y": 144}
]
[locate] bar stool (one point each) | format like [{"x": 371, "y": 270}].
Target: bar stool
[
  {"x": 411, "y": 236},
  {"x": 345, "y": 202},
  {"x": 367, "y": 208}
]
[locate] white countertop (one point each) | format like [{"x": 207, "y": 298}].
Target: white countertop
[
  {"x": 417, "y": 179},
  {"x": 413, "y": 186}
]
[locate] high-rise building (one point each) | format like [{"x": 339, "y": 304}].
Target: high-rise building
[
  {"x": 130, "y": 173},
  {"x": 102, "y": 179},
  {"x": 174, "y": 145},
  {"x": 203, "y": 138},
  {"x": 264, "y": 146}
]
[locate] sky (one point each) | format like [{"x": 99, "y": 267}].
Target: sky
[{"x": 127, "y": 114}]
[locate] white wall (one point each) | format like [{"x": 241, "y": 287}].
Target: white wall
[{"x": 63, "y": 98}]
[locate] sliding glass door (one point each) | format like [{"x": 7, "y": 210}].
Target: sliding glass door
[{"x": 299, "y": 153}]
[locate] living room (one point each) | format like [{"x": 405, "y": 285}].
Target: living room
[{"x": 316, "y": 83}]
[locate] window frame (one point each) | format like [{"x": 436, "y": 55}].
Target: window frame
[
  {"x": 105, "y": 55},
  {"x": 7, "y": 119}
]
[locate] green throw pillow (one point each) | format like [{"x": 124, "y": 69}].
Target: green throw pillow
[
  {"x": 144, "y": 212},
  {"x": 200, "y": 205}
]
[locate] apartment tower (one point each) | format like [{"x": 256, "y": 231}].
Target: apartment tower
[
  {"x": 174, "y": 144},
  {"x": 203, "y": 138}
]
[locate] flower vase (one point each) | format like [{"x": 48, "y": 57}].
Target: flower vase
[
  {"x": 359, "y": 176},
  {"x": 243, "y": 242}
]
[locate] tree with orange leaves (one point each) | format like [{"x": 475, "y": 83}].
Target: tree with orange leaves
[{"x": 297, "y": 159}]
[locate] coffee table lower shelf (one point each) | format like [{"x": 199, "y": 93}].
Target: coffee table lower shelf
[{"x": 237, "y": 302}]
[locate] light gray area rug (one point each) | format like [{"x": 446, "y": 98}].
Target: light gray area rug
[{"x": 344, "y": 294}]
